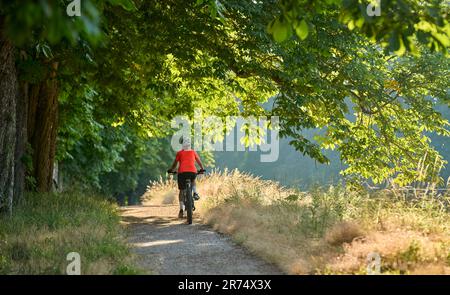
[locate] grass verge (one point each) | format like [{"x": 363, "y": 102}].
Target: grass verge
[{"x": 46, "y": 227}]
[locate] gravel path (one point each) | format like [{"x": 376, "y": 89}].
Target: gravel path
[{"x": 166, "y": 245}]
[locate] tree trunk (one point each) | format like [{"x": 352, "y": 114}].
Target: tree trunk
[
  {"x": 8, "y": 97},
  {"x": 21, "y": 142},
  {"x": 42, "y": 128}
]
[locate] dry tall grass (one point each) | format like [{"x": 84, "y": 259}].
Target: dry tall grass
[{"x": 330, "y": 230}]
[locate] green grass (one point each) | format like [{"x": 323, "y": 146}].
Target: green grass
[{"x": 44, "y": 228}]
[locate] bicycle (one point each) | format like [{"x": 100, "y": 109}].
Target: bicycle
[{"x": 187, "y": 196}]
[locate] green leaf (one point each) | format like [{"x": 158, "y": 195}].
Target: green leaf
[
  {"x": 360, "y": 22},
  {"x": 281, "y": 30},
  {"x": 351, "y": 25},
  {"x": 394, "y": 42},
  {"x": 402, "y": 48},
  {"x": 126, "y": 4},
  {"x": 302, "y": 30}
]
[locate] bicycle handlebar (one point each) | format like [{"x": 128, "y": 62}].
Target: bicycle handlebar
[{"x": 198, "y": 172}]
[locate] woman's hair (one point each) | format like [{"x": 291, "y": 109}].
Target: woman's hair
[{"x": 185, "y": 142}]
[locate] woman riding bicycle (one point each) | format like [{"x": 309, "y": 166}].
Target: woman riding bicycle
[{"x": 186, "y": 170}]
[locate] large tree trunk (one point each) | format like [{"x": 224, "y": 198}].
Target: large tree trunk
[
  {"x": 21, "y": 141},
  {"x": 8, "y": 97},
  {"x": 42, "y": 128}
]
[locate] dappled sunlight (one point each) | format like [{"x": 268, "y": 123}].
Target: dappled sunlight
[{"x": 157, "y": 243}]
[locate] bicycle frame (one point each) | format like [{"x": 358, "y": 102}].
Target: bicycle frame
[{"x": 187, "y": 197}]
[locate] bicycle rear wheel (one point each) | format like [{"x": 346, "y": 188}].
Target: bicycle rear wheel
[{"x": 189, "y": 202}]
